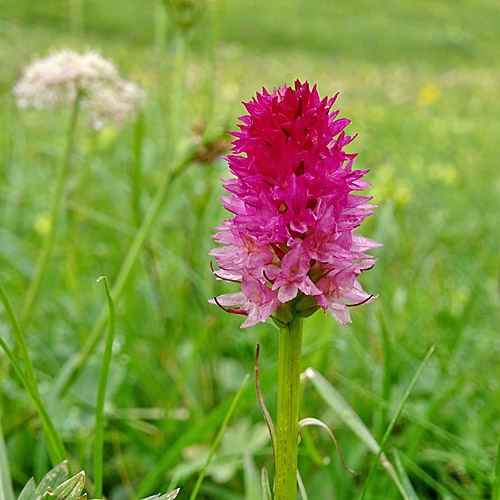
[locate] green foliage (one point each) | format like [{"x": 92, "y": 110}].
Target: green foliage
[{"x": 420, "y": 84}]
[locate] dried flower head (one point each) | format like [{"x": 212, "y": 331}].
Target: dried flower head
[
  {"x": 56, "y": 81},
  {"x": 292, "y": 240}
]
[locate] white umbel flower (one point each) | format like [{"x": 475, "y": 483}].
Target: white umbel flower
[{"x": 56, "y": 81}]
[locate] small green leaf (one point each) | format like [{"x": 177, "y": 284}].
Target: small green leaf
[
  {"x": 69, "y": 490},
  {"x": 266, "y": 490},
  {"x": 29, "y": 491},
  {"x": 53, "y": 478}
]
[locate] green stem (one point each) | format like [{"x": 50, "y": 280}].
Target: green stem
[
  {"x": 137, "y": 172},
  {"x": 48, "y": 243},
  {"x": 159, "y": 30},
  {"x": 21, "y": 341},
  {"x": 288, "y": 410},
  {"x": 55, "y": 445},
  {"x": 77, "y": 17},
  {"x": 101, "y": 393}
]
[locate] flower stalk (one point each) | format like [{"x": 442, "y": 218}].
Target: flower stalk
[
  {"x": 290, "y": 344},
  {"x": 48, "y": 243}
]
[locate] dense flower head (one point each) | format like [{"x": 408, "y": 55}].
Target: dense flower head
[
  {"x": 291, "y": 238},
  {"x": 56, "y": 81}
]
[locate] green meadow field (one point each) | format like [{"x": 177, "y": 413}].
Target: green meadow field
[{"x": 420, "y": 82}]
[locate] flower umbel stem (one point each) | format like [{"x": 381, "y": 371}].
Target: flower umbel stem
[
  {"x": 288, "y": 410},
  {"x": 48, "y": 243}
]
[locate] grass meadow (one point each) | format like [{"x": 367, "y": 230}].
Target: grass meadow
[{"x": 421, "y": 83}]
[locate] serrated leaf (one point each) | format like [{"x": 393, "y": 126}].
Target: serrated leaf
[
  {"x": 69, "y": 490},
  {"x": 167, "y": 496},
  {"x": 266, "y": 490},
  {"x": 53, "y": 479},
  {"x": 29, "y": 491}
]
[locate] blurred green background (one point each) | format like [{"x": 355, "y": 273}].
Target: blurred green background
[{"x": 420, "y": 81}]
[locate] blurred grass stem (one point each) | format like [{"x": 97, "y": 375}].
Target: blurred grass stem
[
  {"x": 178, "y": 104},
  {"x": 48, "y": 243},
  {"x": 290, "y": 344},
  {"x": 101, "y": 392},
  {"x": 55, "y": 445},
  {"x": 77, "y": 17}
]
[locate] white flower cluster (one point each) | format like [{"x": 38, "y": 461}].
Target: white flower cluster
[{"x": 57, "y": 80}]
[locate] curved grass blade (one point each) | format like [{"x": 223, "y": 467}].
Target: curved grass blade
[
  {"x": 394, "y": 419},
  {"x": 318, "y": 423},
  {"x": 333, "y": 398},
  {"x": 218, "y": 438},
  {"x": 6, "y": 491},
  {"x": 101, "y": 392}
]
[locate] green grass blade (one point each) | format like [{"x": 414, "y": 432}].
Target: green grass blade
[
  {"x": 19, "y": 336},
  {"x": 6, "y": 491},
  {"x": 394, "y": 419},
  {"x": 101, "y": 392},
  {"x": 426, "y": 478},
  {"x": 218, "y": 438},
  {"x": 412, "y": 495},
  {"x": 496, "y": 482},
  {"x": 54, "y": 443}
]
